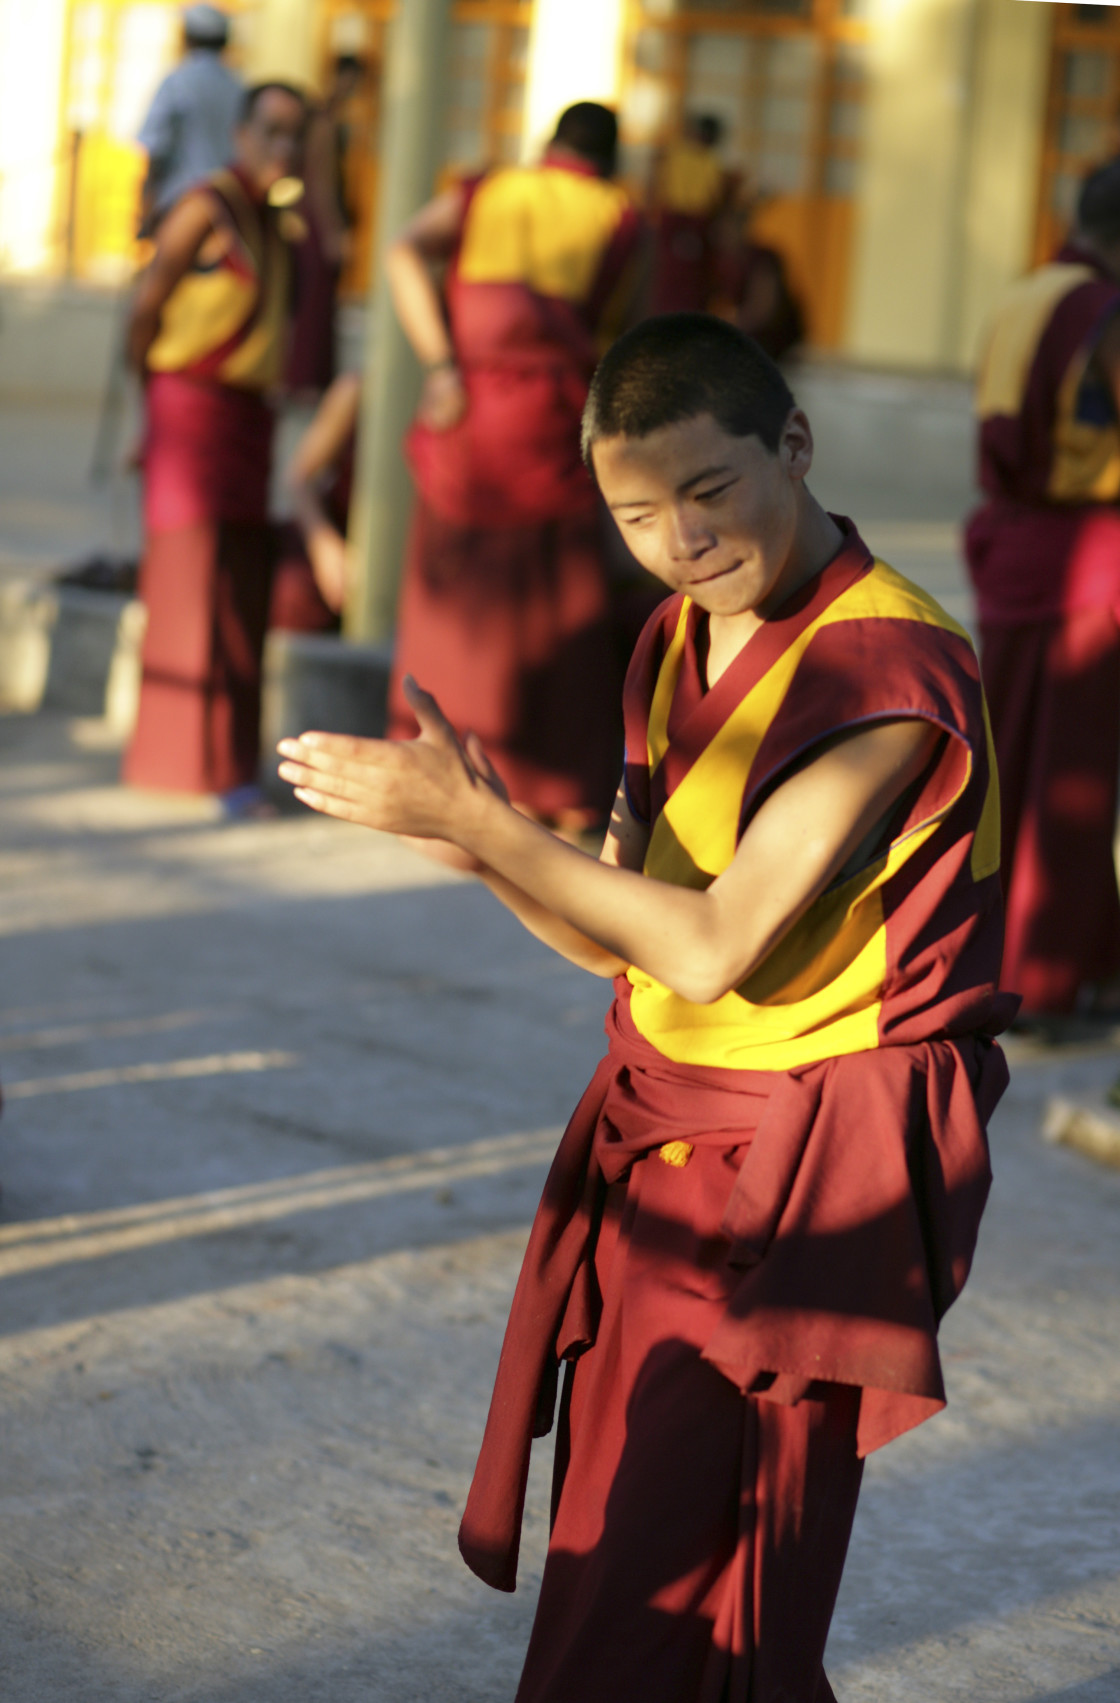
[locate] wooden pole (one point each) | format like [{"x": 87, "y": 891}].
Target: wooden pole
[{"x": 411, "y": 153}]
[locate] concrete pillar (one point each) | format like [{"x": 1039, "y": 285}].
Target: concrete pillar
[
  {"x": 916, "y": 142},
  {"x": 34, "y": 37},
  {"x": 998, "y": 224},
  {"x": 411, "y": 150},
  {"x": 281, "y": 43},
  {"x": 952, "y": 142},
  {"x": 575, "y": 54}
]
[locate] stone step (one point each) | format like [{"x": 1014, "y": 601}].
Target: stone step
[{"x": 77, "y": 651}]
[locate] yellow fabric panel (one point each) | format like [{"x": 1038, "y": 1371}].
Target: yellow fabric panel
[
  {"x": 657, "y": 733},
  {"x": 257, "y": 363},
  {"x": 698, "y": 814},
  {"x": 1086, "y": 464},
  {"x": 540, "y": 226},
  {"x": 819, "y": 993},
  {"x": 207, "y": 309},
  {"x": 690, "y": 179},
  {"x": 986, "y": 843},
  {"x": 1006, "y": 360},
  {"x": 202, "y": 312}
]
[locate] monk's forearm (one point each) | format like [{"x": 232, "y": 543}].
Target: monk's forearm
[
  {"x": 307, "y": 506},
  {"x": 417, "y": 302},
  {"x": 143, "y": 328},
  {"x": 552, "y": 930},
  {"x": 672, "y": 933}
]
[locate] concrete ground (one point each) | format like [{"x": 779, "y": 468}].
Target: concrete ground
[{"x": 279, "y": 1098}]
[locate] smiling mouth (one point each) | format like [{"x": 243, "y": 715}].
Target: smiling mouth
[{"x": 721, "y": 573}]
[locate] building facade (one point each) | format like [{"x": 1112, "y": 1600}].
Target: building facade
[{"x": 912, "y": 155}]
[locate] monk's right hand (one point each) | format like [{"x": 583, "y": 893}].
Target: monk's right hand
[
  {"x": 424, "y": 788},
  {"x": 443, "y": 399}
]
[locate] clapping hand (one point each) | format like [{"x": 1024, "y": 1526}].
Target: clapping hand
[{"x": 426, "y": 790}]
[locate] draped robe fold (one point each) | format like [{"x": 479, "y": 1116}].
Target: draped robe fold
[
  {"x": 761, "y": 1208},
  {"x": 207, "y": 565},
  {"x": 1043, "y": 552}
]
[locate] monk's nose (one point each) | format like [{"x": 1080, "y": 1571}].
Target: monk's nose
[{"x": 690, "y": 537}]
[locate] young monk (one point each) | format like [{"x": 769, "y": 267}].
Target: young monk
[{"x": 770, "y": 1191}]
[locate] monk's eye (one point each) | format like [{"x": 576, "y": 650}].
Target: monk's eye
[{"x": 713, "y": 492}]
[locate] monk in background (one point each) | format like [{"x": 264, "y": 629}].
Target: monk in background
[
  {"x": 688, "y": 199},
  {"x": 320, "y": 257},
  {"x": 505, "y": 599},
  {"x": 207, "y": 333},
  {"x": 1044, "y": 557}
]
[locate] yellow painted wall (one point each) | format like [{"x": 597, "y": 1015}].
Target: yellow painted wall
[
  {"x": 281, "y": 41},
  {"x": 575, "y": 54},
  {"x": 31, "y": 161},
  {"x": 1006, "y": 154},
  {"x": 915, "y": 144}
]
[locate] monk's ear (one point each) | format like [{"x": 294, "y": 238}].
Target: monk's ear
[{"x": 796, "y": 444}]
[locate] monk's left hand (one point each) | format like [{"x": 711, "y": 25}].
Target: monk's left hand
[{"x": 423, "y": 787}]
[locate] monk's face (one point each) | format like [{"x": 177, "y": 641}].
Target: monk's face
[
  {"x": 270, "y": 142},
  {"x": 710, "y": 514}
]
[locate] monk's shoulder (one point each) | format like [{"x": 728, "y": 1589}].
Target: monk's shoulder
[{"x": 885, "y": 647}]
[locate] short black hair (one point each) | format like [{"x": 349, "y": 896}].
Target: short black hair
[
  {"x": 591, "y": 131},
  {"x": 256, "y": 93},
  {"x": 709, "y": 129},
  {"x": 1098, "y": 204},
  {"x": 349, "y": 62},
  {"x": 678, "y": 366}
]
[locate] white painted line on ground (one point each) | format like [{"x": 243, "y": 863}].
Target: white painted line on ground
[
  {"x": 214, "y": 1064},
  {"x": 93, "y": 1235}
]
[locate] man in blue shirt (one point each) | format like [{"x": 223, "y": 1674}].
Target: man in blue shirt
[{"x": 188, "y": 132}]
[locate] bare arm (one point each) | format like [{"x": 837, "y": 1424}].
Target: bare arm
[
  {"x": 624, "y": 848},
  {"x": 425, "y": 242},
  {"x": 316, "y": 454},
  {"x": 699, "y": 943},
  {"x": 181, "y": 236}
]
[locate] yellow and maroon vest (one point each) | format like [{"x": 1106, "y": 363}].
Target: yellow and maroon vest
[
  {"x": 226, "y": 320},
  {"x": 1049, "y": 431},
  {"x": 905, "y": 948},
  {"x": 1046, "y": 540}
]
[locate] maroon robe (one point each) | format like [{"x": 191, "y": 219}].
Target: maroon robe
[
  {"x": 205, "y": 575},
  {"x": 741, "y": 1332},
  {"x": 1044, "y": 556},
  {"x": 745, "y": 1268},
  {"x": 312, "y": 359},
  {"x": 205, "y": 581},
  {"x": 505, "y": 604}
]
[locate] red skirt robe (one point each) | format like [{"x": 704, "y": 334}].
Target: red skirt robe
[
  {"x": 205, "y": 581},
  {"x": 740, "y": 1331}
]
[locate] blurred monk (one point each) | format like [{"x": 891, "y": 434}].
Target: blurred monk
[
  {"x": 505, "y": 598},
  {"x": 1044, "y": 556},
  {"x": 689, "y": 193},
  {"x": 207, "y": 332},
  {"x": 320, "y": 257}
]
